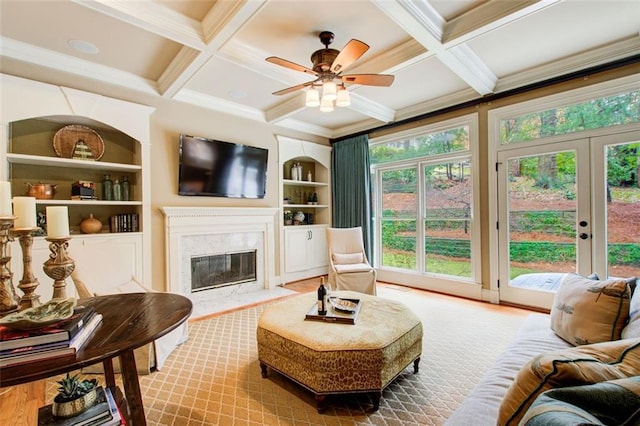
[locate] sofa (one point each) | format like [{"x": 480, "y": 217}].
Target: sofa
[{"x": 591, "y": 337}]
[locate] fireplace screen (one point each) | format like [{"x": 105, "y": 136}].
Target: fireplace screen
[{"x": 222, "y": 270}]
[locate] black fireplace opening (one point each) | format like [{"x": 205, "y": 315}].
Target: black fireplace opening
[{"x": 220, "y": 270}]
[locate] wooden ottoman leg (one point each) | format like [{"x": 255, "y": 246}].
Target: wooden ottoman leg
[
  {"x": 376, "y": 400},
  {"x": 415, "y": 365},
  {"x": 263, "y": 369},
  {"x": 320, "y": 405}
]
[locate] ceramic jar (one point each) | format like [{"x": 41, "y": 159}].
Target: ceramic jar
[{"x": 91, "y": 225}]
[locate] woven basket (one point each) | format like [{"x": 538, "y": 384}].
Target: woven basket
[{"x": 79, "y": 142}]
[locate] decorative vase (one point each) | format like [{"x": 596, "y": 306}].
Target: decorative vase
[
  {"x": 91, "y": 225},
  {"x": 76, "y": 406},
  {"x": 107, "y": 188}
]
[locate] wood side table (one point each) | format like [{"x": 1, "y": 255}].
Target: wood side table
[{"x": 129, "y": 321}]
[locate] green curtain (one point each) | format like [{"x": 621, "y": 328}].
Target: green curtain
[{"x": 351, "y": 187}]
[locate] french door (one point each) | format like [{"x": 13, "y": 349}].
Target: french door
[{"x": 567, "y": 206}]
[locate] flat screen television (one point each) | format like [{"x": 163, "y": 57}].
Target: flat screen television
[{"x": 216, "y": 168}]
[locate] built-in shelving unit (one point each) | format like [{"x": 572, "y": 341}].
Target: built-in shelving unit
[
  {"x": 31, "y": 113},
  {"x": 304, "y": 252},
  {"x": 32, "y": 159}
]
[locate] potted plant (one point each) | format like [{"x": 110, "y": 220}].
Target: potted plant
[
  {"x": 74, "y": 396},
  {"x": 288, "y": 217}
]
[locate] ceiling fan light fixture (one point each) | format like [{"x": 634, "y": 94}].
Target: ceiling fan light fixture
[
  {"x": 326, "y": 105},
  {"x": 343, "y": 99},
  {"x": 329, "y": 91},
  {"x": 312, "y": 97}
]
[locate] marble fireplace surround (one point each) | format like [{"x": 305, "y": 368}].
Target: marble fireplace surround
[{"x": 201, "y": 231}]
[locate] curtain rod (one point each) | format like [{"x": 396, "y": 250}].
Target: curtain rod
[{"x": 496, "y": 96}]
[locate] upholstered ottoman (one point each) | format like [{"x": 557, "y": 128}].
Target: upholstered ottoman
[{"x": 333, "y": 358}]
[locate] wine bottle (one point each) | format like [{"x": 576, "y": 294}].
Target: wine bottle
[{"x": 322, "y": 299}]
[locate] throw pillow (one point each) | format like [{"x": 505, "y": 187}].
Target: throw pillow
[
  {"x": 576, "y": 366},
  {"x": 131, "y": 286},
  {"x": 586, "y": 311},
  {"x": 348, "y": 258},
  {"x": 614, "y": 402},
  {"x": 632, "y": 329}
]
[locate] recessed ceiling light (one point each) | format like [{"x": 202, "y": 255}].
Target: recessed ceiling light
[
  {"x": 237, "y": 93},
  {"x": 83, "y": 46}
]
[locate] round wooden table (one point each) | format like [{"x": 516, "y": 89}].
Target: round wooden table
[{"x": 129, "y": 321}]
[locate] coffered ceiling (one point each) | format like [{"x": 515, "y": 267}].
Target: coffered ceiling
[{"x": 212, "y": 53}]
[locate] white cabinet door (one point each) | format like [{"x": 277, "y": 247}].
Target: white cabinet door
[
  {"x": 305, "y": 251},
  {"x": 318, "y": 256},
  {"x": 296, "y": 243},
  {"x": 103, "y": 261}
]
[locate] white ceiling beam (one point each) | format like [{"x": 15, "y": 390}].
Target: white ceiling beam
[
  {"x": 152, "y": 17},
  {"x": 424, "y": 24},
  {"x": 489, "y": 16},
  {"x": 70, "y": 64},
  {"x": 305, "y": 127},
  {"x": 182, "y": 67},
  {"x": 371, "y": 109},
  {"x": 394, "y": 59},
  {"x": 286, "y": 108},
  {"x": 253, "y": 59},
  {"x": 219, "y": 25},
  {"x": 227, "y": 17},
  {"x": 218, "y": 104}
]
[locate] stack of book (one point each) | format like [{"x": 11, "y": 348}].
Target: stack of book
[
  {"x": 125, "y": 222},
  {"x": 62, "y": 339},
  {"x": 104, "y": 412}
]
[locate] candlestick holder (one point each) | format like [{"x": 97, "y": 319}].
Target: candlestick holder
[
  {"x": 29, "y": 281},
  {"x": 8, "y": 297},
  {"x": 59, "y": 265}
]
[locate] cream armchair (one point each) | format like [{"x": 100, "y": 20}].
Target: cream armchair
[
  {"x": 349, "y": 268},
  {"x": 148, "y": 357}
]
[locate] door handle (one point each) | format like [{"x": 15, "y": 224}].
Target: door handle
[{"x": 583, "y": 236}]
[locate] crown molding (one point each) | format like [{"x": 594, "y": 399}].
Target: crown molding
[
  {"x": 371, "y": 109},
  {"x": 437, "y": 104},
  {"x": 217, "y": 104},
  {"x": 599, "y": 56},
  {"x": 304, "y": 127}
]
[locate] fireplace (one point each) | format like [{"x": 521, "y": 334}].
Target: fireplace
[
  {"x": 224, "y": 269},
  {"x": 203, "y": 241}
]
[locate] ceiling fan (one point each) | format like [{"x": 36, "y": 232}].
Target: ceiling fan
[{"x": 328, "y": 65}]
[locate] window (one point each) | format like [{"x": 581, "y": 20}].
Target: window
[
  {"x": 606, "y": 111},
  {"x": 423, "y": 199}
]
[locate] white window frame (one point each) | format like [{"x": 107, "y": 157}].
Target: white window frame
[
  {"x": 495, "y": 116},
  {"x": 429, "y": 281}
]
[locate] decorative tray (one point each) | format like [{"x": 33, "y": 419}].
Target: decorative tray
[
  {"x": 340, "y": 310},
  {"x": 40, "y": 316},
  {"x": 79, "y": 142}
]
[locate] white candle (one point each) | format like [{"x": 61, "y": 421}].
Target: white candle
[
  {"x": 57, "y": 222},
  {"x": 5, "y": 199},
  {"x": 24, "y": 208}
]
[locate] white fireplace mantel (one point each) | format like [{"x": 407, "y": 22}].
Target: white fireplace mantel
[{"x": 181, "y": 222}]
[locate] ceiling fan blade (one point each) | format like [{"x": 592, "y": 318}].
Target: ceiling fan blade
[
  {"x": 290, "y": 65},
  {"x": 369, "y": 79},
  {"x": 293, "y": 88},
  {"x": 351, "y": 52}
]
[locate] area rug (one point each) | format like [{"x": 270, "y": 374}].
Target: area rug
[{"x": 214, "y": 378}]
